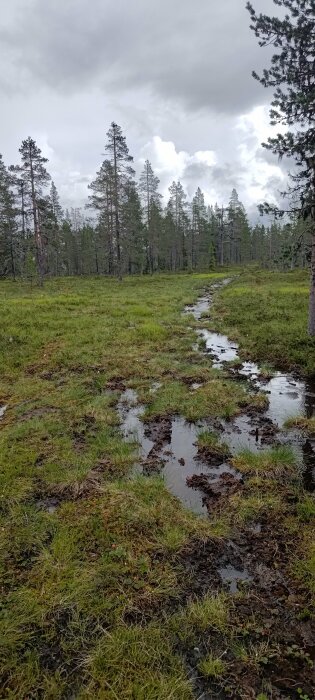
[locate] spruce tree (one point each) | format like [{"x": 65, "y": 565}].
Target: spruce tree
[
  {"x": 102, "y": 201},
  {"x": 291, "y": 74},
  {"x": 177, "y": 208},
  {"x": 34, "y": 176},
  {"x": 150, "y": 196}
]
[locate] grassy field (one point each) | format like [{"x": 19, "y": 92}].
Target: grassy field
[
  {"x": 107, "y": 583},
  {"x": 266, "y": 312}
]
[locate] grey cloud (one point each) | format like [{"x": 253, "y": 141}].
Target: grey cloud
[{"x": 200, "y": 54}]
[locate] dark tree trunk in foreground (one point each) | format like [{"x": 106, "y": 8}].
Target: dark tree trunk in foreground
[{"x": 311, "y": 320}]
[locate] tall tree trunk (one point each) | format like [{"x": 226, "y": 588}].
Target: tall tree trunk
[
  {"x": 311, "y": 318},
  {"x": 12, "y": 255},
  {"x": 37, "y": 231},
  {"x": 117, "y": 213}
]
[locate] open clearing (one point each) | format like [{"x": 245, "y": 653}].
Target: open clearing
[{"x": 184, "y": 566}]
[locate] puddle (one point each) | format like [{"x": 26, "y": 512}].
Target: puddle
[
  {"x": 47, "y": 504},
  {"x": 2, "y": 411},
  {"x": 232, "y": 576},
  {"x": 287, "y": 399},
  {"x": 132, "y": 426},
  {"x": 220, "y": 347},
  {"x": 177, "y": 459},
  {"x": 199, "y": 308}
]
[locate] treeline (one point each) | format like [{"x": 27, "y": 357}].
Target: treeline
[{"x": 125, "y": 229}]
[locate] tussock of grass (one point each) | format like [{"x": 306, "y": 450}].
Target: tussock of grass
[
  {"x": 305, "y": 424},
  {"x": 248, "y": 508},
  {"x": 304, "y": 566},
  {"x": 212, "y": 612},
  {"x": 217, "y": 398},
  {"x": 133, "y": 662},
  {"x": 212, "y": 667},
  {"x": 306, "y": 509},
  {"x": 276, "y": 462},
  {"x": 209, "y": 440}
]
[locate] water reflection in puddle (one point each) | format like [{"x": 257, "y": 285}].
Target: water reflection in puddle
[
  {"x": 232, "y": 576},
  {"x": 2, "y": 411},
  {"x": 178, "y": 458}
]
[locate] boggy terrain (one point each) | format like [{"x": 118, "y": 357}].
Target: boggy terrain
[{"x": 157, "y": 499}]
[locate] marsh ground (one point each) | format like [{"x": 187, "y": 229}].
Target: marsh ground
[{"x": 112, "y": 588}]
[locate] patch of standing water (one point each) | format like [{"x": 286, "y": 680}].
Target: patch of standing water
[
  {"x": 219, "y": 346},
  {"x": 178, "y": 458},
  {"x": 231, "y": 576},
  {"x": 2, "y": 411},
  {"x": 239, "y": 435},
  {"x": 288, "y": 398},
  {"x": 132, "y": 427},
  {"x": 181, "y": 462}
]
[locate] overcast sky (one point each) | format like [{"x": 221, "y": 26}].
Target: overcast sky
[{"x": 175, "y": 74}]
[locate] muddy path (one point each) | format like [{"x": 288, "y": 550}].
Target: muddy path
[
  {"x": 167, "y": 446},
  {"x": 271, "y": 643}
]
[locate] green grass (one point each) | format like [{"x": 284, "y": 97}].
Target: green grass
[
  {"x": 209, "y": 613},
  {"x": 276, "y": 462},
  {"x": 98, "y": 602},
  {"x": 108, "y": 552},
  {"x": 279, "y": 302}
]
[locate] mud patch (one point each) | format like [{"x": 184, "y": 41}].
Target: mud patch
[
  {"x": 116, "y": 384},
  {"x": 221, "y": 488},
  {"x": 81, "y": 430},
  {"x": 39, "y": 412}
]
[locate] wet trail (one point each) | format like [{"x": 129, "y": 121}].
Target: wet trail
[{"x": 169, "y": 447}]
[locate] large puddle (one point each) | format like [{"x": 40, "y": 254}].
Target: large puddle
[{"x": 175, "y": 456}]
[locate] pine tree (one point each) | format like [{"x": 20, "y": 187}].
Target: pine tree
[
  {"x": 8, "y": 225},
  {"x": 55, "y": 203},
  {"x": 238, "y": 231},
  {"x": 34, "y": 176},
  {"x": 291, "y": 74},
  {"x": 117, "y": 152},
  {"x": 52, "y": 223}
]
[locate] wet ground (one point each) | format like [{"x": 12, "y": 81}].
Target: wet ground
[
  {"x": 276, "y": 643},
  {"x": 168, "y": 447}
]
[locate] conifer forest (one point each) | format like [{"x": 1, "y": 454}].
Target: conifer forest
[{"x": 125, "y": 228}]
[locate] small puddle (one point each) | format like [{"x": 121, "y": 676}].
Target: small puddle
[
  {"x": 132, "y": 426},
  {"x": 232, "y": 576},
  {"x": 176, "y": 460},
  {"x": 219, "y": 347},
  {"x": 2, "y": 411},
  {"x": 47, "y": 504}
]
